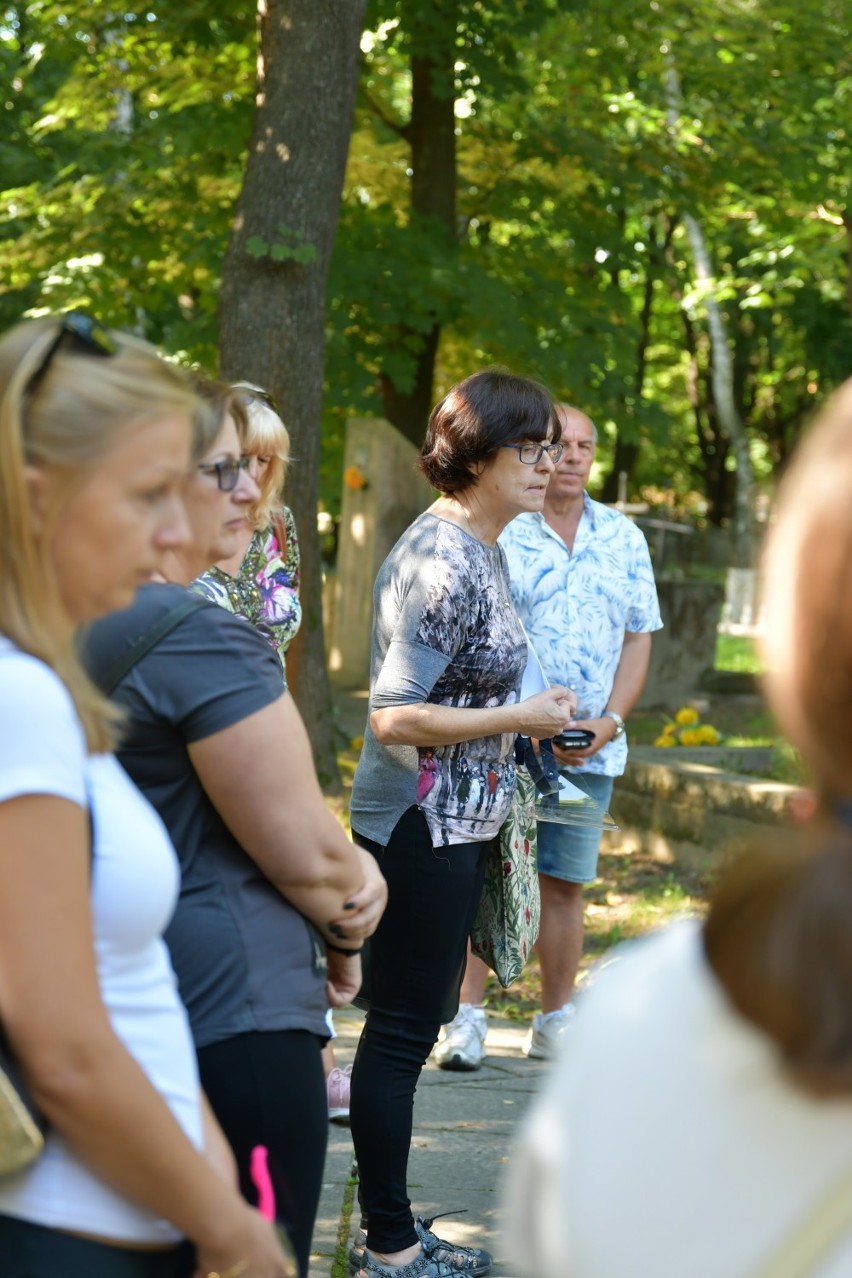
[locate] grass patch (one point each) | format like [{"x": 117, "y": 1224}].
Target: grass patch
[
  {"x": 340, "y": 1264},
  {"x": 738, "y": 653},
  {"x": 632, "y": 894}
]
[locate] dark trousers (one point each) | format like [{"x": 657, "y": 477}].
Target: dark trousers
[
  {"x": 33, "y": 1251},
  {"x": 416, "y": 964},
  {"x": 268, "y": 1088}
]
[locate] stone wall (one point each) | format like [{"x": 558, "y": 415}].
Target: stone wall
[{"x": 692, "y": 813}]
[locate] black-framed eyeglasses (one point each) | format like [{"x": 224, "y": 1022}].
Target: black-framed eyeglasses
[
  {"x": 227, "y": 472},
  {"x": 256, "y": 395},
  {"x": 89, "y": 334},
  {"x": 531, "y": 454}
]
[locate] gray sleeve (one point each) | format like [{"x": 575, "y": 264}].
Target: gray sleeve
[
  {"x": 424, "y": 603},
  {"x": 409, "y": 673}
]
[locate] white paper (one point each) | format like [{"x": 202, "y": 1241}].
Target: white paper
[{"x": 534, "y": 680}]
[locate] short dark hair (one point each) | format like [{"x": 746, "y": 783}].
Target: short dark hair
[{"x": 478, "y": 416}]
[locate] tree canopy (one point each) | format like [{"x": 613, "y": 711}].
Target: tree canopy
[{"x": 517, "y": 192}]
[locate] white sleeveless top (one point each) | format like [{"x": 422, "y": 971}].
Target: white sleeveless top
[{"x": 133, "y": 894}]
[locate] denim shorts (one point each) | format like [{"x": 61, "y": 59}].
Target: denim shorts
[{"x": 571, "y": 852}]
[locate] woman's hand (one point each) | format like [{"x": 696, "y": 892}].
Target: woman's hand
[
  {"x": 365, "y": 907},
  {"x": 604, "y": 730},
  {"x": 547, "y": 713},
  {"x": 257, "y": 1252},
  {"x": 344, "y": 978}
]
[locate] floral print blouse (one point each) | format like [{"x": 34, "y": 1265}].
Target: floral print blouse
[{"x": 266, "y": 589}]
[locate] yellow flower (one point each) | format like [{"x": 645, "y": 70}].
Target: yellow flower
[
  {"x": 709, "y": 735},
  {"x": 665, "y": 740},
  {"x": 690, "y": 737},
  {"x": 669, "y": 729},
  {"x": 357, "y": 743},
  {"x": 686, "y": 716}
]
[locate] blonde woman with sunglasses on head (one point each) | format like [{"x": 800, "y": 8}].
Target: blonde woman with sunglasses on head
[{"x": 135, "y": 1180}]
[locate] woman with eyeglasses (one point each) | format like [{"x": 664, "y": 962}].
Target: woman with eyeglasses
[
  {"x": 95, "y": 437},
  {"x": 436, "y": 775},
  {"x": 275, "y": 900},
  {"x": 260, "y": 582}
]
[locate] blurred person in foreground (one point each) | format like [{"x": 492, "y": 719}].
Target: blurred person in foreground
[
  {"x": 701, "y": 1122},
  {"x": 95, "y": 433}
]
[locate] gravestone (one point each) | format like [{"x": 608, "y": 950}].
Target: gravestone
[
  {"x": 382, "y": 494},
  {"x": 686, "y": 647}
]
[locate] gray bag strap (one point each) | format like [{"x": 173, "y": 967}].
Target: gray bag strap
[{"x": 148, "y": 640}]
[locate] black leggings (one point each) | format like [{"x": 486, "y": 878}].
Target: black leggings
[
  {"x": 268, "y": 1088},
  {"x": 34, "y": 1251},
  {"x": 416, "y": 963}
]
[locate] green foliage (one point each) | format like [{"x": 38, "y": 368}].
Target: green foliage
[{"x": 124, "y": 143}]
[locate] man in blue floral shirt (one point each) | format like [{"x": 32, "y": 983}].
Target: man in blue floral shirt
[{"x": 582, "y": 582}]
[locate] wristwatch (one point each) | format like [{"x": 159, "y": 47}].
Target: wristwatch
[{"x": 617, "y": 720}]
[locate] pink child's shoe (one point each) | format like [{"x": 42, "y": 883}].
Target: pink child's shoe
[{"x": 337, "y": 1086}]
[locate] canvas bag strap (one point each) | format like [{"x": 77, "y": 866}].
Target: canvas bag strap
[
  {"x": 801, "y": 1254},
  {"x": 148, "y": 640},
  {"x": 280, "y": 535}
]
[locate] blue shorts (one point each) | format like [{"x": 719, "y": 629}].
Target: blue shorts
[{"x": 571, "y": 852}]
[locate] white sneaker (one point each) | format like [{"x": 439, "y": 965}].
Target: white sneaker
[
  {"x": 546, "y": 1032},
  {"x": 461, "y": 1044}
]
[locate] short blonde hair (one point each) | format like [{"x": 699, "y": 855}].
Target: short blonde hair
[
  {"x": 264, "y": 434},
  {"x": 68, "y": 416}
]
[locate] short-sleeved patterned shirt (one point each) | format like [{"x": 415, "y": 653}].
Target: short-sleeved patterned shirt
[
  {"x": 266, "y": 589},
  {"x": 577, "y": 604},
  {"x": 444, "y": 632}
]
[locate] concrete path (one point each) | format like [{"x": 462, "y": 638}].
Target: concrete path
[{"x": 463, "y": 1126}]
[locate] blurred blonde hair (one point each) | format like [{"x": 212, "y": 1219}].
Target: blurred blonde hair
[
  {"x": 807, "y": 590},
  {"x": 70, "y": 419},
  {"x": 778, "y": 936},
  {"x": 264, "y": 435}
]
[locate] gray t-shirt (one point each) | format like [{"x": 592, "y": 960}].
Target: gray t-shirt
[
  {"x": 444, "y": 632},
  {"x": 245, "y": 958}
]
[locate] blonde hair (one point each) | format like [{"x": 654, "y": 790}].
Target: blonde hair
[
  {"x": 69, "y": 418},
  {"x": 264, "y": 434},
  {"x": 778, "y": 936}
]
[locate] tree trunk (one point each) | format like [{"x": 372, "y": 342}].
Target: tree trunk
[
  {"x": 272, "y": 299},
  {"x": 721, "y": 365},
  {"x": 431, "y": 135},
  {"x": 627, "y": 453}
]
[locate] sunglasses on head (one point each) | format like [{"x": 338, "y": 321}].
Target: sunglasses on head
[
  {"x": 256, "y": 395},
  {"x": 76, "y": 329}
]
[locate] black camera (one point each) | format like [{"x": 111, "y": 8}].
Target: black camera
[{"x": 574, "y": 739}]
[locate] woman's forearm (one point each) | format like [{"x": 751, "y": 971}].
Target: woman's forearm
[{"x": 425, "y": 724}]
